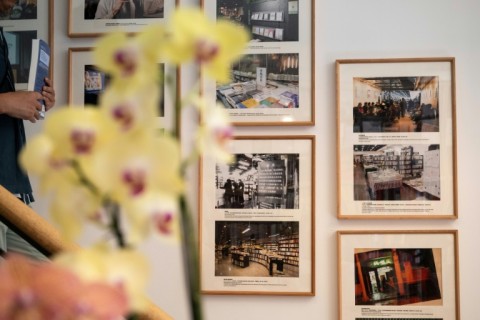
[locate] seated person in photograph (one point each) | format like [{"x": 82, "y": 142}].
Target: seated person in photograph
[
  {"x": 153, "y": 8},
  {"x": 115, "y": 9}
]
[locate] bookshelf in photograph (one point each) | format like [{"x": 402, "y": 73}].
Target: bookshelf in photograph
[{"x": 393, "y": 118}]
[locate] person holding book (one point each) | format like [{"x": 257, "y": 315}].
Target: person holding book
[{"x": 16, "y": 106}]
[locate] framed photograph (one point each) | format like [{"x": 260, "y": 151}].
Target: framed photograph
[
  {"x": 401, "y": 275},
  {"x": 396, "y": 138},
  {"x": 27, "y": 21},
  {"x": 273, "y": 82},
  {"x": 92, "y": 18},
  {"x": 87, "y": 83},
  {"x": 257, "y": 218}
]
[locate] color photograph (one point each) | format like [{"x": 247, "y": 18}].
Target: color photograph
[
  {"x": 396, "y": 122},
  {"x": 396, "y": 172},
  {"x": 262, "y": 81},
  {"x": 123, "y": 9},
  {"x": 397, "y": 276},
  {"x": 256, "y": 249},
  {"x": 396, "y": 104},
  {"x": 22, "y": 10},
  {"x": 268, "y": 21}
]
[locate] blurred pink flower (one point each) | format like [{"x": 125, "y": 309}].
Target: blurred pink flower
[{"x": 42, "y": 290}]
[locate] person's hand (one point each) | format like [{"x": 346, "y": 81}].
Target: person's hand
[
  {"x": 22, "y": 104},
  {"x": 48, "y": 94},
  {"x": 117, "y": 6}
]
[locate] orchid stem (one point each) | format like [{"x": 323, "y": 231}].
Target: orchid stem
[{"x": 191, "y": 259}]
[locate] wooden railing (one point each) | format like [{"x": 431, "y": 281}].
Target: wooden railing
[{"x": 46, "y": 238}]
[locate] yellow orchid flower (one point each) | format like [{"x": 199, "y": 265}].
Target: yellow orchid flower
[
  {"x": 214, "y": 45},
  {"x": 130, "y": 60},
  {"x": 132, "y": 110},
  {"x": 77, "y": 132},
  {"x": 125, "y": 268},
  {"x": 154, "y": 211},
  {"x": 38, "y": 158},
  {"x": 73, "y": 205},
  {"x": 137, "y": 164},
  {"x": 214, "y": 135}
]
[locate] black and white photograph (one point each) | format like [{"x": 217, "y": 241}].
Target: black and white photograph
[
  {"x": 262, "y": 81},
  {"x": 258, "y": 181},
  {"x": 267, "y": 21},
  {"x": 22, "y": 10},
  {"x": 396, "y": 104},
  {"x": 257, "y": 249},
  {"x": 396, "y": 172},
  {"x": 123, "y": 9}
]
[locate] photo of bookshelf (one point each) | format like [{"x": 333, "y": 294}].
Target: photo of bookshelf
[
  {"x": 262, "y": 81},
  {"x": 268, "y": 21},
  {"x": 257, "y": 249},
  {"x": 396, "y": 172},
  {"x": 258, "y": 181}
]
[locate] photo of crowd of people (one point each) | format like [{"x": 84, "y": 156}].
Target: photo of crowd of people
[
  {"x": 22, "y": 10},
  {"x": 258, "y": 181},
  {"x": 396, "y": 104}
]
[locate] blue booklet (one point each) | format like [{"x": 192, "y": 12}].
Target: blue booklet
[{"x": 39, "y": 68}]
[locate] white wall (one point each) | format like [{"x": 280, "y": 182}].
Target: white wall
[{"x": 344, "y": 29}]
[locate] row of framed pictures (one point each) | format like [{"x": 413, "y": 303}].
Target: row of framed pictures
[
  {"x": 396, "y": 159},
  {"x": 396, "y": 132},
  {"x": 279, "y": 61}
]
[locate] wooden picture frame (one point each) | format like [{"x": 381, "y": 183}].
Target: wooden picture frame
[
  {"x": 257, "y": 218},
  {"x": 81, "y": 67},
  {"x": 24, "y": 25},
  {"x": 410, "y": 274},
  {"x": 87, "y": 19},
  {"x": 396, "y": 138},
  {"x": 273, "y": 83}
]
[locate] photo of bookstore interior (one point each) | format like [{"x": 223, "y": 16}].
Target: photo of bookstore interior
[
  {"x": 399, "y": 104},
  {"x": 262, "y": 81},
  {"x": 396, "y": 172},
  {"x": 256, "y": 249},
  {"x": 273, "y": 20},
  {"x": 258, "y": 181},
  {"x": 396, "y": 276}
]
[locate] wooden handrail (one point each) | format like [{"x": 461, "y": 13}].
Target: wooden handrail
[{"x": 15, "y": 213}]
